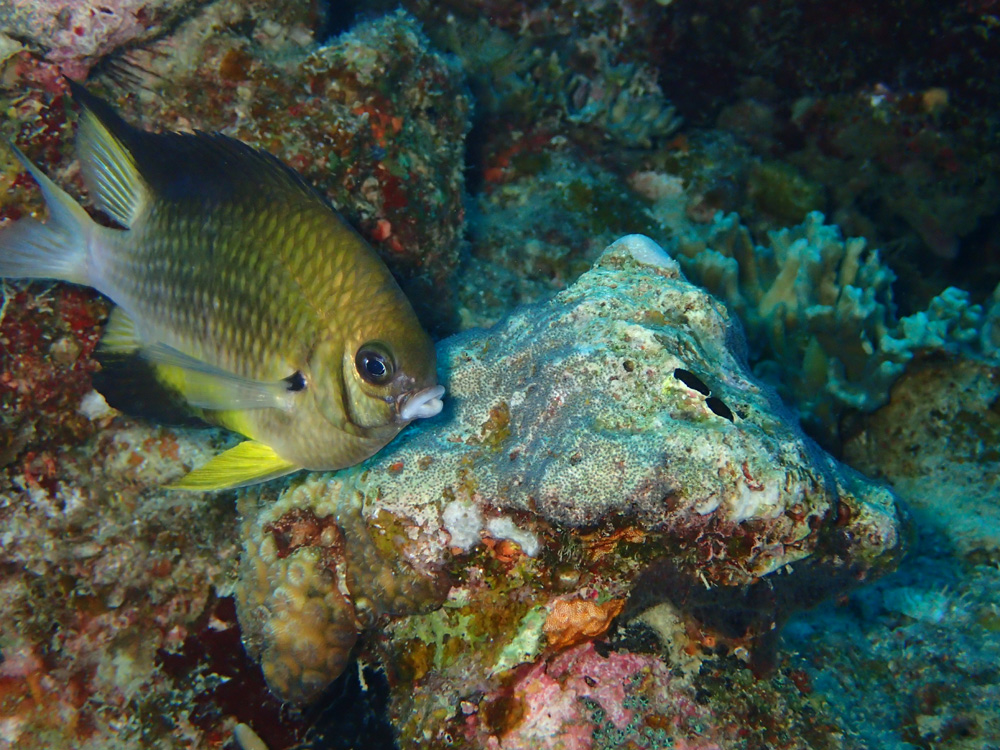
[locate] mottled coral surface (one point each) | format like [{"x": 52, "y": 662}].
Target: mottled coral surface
[
  {"x": 77, "y": 35},
  {"x": 579, "y": 457}
]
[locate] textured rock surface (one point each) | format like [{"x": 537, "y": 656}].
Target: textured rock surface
[
  {"x": 78, "y": 34},
  {"x": 611, "y": 433},
  {"x": 937, "y": 442}
]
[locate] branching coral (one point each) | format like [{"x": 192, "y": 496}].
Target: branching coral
[{"x": 819, "y": 314}]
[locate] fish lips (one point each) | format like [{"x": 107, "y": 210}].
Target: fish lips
[{"x": 420, "y": 404}]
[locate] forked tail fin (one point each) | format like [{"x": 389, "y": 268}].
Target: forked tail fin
[{"x": 56, "y": 249}]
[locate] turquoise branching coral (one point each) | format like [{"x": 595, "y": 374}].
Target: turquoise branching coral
[{"x": 819, "y": 314}]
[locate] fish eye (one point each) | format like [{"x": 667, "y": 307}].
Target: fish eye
[
  {"x": 374, "y": 364},
  {"x": 296, "y": 382}
]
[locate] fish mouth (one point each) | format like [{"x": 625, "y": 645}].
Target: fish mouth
[{"x": 421, "y": 404}]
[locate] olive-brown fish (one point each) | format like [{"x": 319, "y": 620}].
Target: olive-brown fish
[{"x": 239, "y": 291}]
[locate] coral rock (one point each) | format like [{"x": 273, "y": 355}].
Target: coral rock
[
  {"x": 613, "y": 435},
  {"x": 76, "y": 35},
  {"x": 938, "y": 443}
]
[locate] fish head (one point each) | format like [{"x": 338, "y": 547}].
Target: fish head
[{"x": 387, "y": 377}]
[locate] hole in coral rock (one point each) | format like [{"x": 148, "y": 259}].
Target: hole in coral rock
[
  {"x": 691, "y": 380},
  {"x": 717, "y": 406}
]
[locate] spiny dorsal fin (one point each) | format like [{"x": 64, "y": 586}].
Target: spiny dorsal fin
[
  {"x": 109, "y": 169},
  {"x": 126, "y": 166}
]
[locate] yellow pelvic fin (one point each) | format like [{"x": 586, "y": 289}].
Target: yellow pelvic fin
[{"x": 248, "y": 463}]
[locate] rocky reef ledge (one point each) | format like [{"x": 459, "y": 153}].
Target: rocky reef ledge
[{"x": 608, "y": 498}]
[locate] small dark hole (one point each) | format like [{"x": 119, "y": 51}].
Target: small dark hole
[
  {"x": 692, "y": 381},
  {"x": 716, "y": 405},
  {"x": 629, "y": 365}
]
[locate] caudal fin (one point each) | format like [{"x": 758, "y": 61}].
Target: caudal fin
[{"x": 56, "y": 249}]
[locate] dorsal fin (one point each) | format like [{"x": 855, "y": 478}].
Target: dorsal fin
[
  {"x": 126, "y": 166},
  {"x": 109, "y": 169}
]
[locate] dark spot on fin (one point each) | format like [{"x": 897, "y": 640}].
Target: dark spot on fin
[
  {"x": 692, "y": 381},
  {"x": 128, "y": 383},
  {"x": 716, "y": 404},
  {"x": 296, "y": 382}
]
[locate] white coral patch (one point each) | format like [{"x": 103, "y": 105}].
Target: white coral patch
[
  {"x": 504, "y": 528},
  {"x": 463, "y": 521},
  {"x": 93, "y": 406},
  {"x": 751, "y": 503},
  {"x": 645, "y": 251},
  {"x": 709, "y": 505}
]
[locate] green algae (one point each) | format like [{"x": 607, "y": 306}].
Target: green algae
[
  {"x": 496, "y": 429},
  {"x": 438, "y": 628},
  {"x": 607, "y": 209},
  {"x": 780, "y": 190},
  {"x": 526, "y": 643}
]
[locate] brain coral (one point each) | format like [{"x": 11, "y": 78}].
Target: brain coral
[{"x": 610, "y": 435}]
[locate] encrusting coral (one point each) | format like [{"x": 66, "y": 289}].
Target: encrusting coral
[
  {"x": 593, "y": 87},
  {"x": 610, "y": 438}
]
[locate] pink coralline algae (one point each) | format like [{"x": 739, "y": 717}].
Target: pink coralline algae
[
  {"x": 559, "y": 703},
  {"x": 76, "y": 35}
]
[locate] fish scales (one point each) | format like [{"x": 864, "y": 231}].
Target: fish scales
[{"x": 242, "y": 297}]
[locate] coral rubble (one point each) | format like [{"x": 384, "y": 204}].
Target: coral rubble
[
  {"x": 110, "y": 588},
  {"x": 606, "y": 439}
]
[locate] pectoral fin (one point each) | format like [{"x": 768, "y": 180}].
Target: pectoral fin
[
  {"x": 198, "y": 383},
  {"x": 248, "y": 463},
  {"x": 206, "y": 386}
]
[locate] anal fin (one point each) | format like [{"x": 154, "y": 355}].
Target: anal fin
[{"x": 248, "y": 463}]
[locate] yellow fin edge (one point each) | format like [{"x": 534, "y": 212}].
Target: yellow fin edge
[{"x": 248, "y": 463}]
